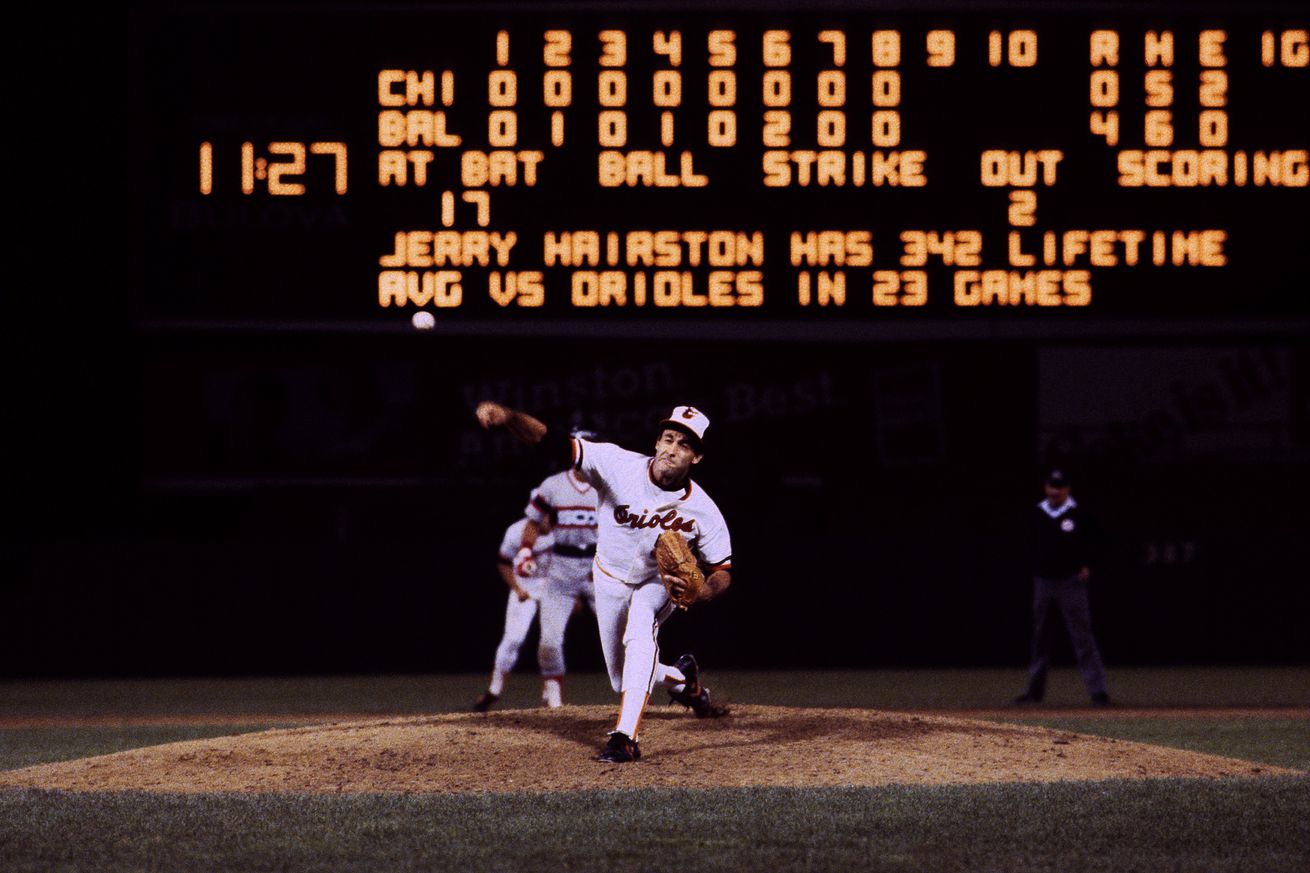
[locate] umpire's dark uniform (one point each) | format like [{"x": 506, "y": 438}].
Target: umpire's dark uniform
[{"x": 1064, "y": 542}]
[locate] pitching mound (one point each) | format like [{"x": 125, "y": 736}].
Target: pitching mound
[{"x": 544, "y": 750}]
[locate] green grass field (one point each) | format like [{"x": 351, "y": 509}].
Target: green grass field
[{"x": 1220, "y": 825}]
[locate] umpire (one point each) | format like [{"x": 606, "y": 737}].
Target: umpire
[{"x": 1063, "y": 545}]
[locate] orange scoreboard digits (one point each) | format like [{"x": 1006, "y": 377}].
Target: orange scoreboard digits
[{"x": 973, "y": 165}]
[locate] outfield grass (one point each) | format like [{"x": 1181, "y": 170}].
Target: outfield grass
[
  {"x": 1130, "y": 687},
  {"x": 1283, "y": 742},
  {"x": 899, "y": 689},
  {"x": 1208, "y": 827},
  {"x": 24, "y": 747}
]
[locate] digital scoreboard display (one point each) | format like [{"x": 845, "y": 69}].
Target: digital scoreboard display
[{"x": 557, "y": 167}]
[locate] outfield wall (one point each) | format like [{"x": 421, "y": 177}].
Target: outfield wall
[{"x": 265, "y": 504}]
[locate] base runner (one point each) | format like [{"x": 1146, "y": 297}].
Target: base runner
[
  {"x": 525, "y": 594},
  {"x": 565, "y": 505}
]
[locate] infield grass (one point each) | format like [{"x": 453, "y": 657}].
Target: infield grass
[
  {"x": 1175, "y": 825},
  {"x": 1208, "y": 827}
]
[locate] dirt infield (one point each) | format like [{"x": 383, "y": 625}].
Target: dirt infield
[{"x": 544, "y": 750}]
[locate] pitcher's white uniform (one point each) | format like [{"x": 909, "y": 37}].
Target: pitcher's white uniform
[
  {"x": 631, "y": 602},
  {"x": 519, "y": 613},
  {"x": 569, "y": 504}
]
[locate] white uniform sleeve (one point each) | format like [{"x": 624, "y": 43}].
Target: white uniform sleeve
[
  {"x": 509, "y": 546},
  {"x": 539, "y": 507},
  {"x": 713, "y": 544},
  {"x": 594, "y": 460}
]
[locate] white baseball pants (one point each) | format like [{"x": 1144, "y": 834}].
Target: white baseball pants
[{"x": 629, "y": 618}]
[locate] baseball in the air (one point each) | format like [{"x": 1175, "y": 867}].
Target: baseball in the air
[{"x": 423, "y": 320}]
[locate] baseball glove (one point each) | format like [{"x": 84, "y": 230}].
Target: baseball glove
[{"x": 675, "y": 558}]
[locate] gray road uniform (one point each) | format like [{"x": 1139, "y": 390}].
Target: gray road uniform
[
  {"x": 569, "y": 503},
  {"x": 519, "y": 613}
]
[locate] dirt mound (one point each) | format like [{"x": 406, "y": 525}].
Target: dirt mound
[{"x": 553, "y": 750}]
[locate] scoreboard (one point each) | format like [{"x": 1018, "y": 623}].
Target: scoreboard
[{"x": 592, "y": 168}]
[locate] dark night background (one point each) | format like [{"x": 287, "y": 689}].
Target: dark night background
[{"x": 233, "y": 501}]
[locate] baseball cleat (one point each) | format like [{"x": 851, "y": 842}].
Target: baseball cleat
[
  {"x": 621, "y": 749},
  {"x": 694, "y": 695},
  {"x": 485, "y": 702},
  {"x": 1101, "y": 699},
  {"x": 690, "y": 670}
]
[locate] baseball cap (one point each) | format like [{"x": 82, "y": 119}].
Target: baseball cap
[
  {"x": 690, "y": 421},
  {"x": 1057, "y": 479}
]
